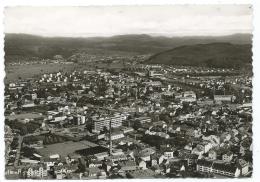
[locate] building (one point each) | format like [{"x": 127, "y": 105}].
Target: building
[
  {"x": 227, "y": 157},
  {"x": 115, "y": 158},
  {"x": 115, "y": 136},
  {"x": 168, "y": 153},
  {"x": 224, "y": 169},
  {"x": 98, "y": 124},
  {"x": 243, "y": 166},
  {"x": 37, "y": 172},
  {"x": 212, "y": 154},
  {"x": 204, "y": 166},
  {"x": 153, "y": 83},
  {"x": 127, "y": 166},
  {"x": 143, "y": 120},
  {"x": 223, "y": 98},
  {"x": 188, "y": 96},
  {"x": 155, "y": 73}
]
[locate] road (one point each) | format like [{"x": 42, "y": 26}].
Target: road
[{"x": 18, "y": 154}]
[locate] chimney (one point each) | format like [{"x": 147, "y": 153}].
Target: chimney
[{"x": 110, "y": 141}]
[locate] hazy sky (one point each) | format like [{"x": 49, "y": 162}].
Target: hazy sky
[{"x": 177, "y": 20}]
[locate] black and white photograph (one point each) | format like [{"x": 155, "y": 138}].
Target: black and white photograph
[{"x": 128, "y": 92}]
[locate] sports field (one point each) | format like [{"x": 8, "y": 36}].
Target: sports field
[{"x": 65, "y": 148}]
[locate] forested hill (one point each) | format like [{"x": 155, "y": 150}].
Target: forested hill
[
  {"x": 211, "y": 55},
  {"x": 23, "y": 45}
]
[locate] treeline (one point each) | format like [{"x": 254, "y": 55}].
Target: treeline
[
  {"x": 23, "y": 128},
  {"x": 158, "y": 141},
  {"x": 52, "y": 139}
]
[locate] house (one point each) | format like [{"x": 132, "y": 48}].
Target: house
[
  {"x": 127, "y": 166},
  {"x": 227, "y": 157},
  {"x": 11, "y": 171},
  {"x": 115, "y": 158},
  {"x": 95, "y": 163},
  {"x": 141, "y": 164},
  {"x": 146, "y": 153},
  {"x": 212, "y": 154},
  {"x": 93, "y": 172},
  {"x": 127, "y": 129},
  {"x": 156, "y": 159},
  {"x": 168, "y": 153},
  {"x": 223, "y": 98},
  {"x": 177, "y": 165},
  {"x": 198, "y": 150},
  {"x": 213, "y": 139},
  {"x": 167, "y": 168},
  {"x": 49, "y": 163},
  {"x": 207, "y": 145},
  {"x": 224, "y": 169},
  {"x": 61, "y": 171},
  {"x": 37, "y": 171},
  {"x": 192, "y": 159},
  {"x": 225, "y": 137},
  {"x": 204, "y": 166},
  {"x": 243, "y": 166},
  {"x": 107, "y": 165},
  {"x": 101, "y": 156},
  {"x": 143, "y": 120}
]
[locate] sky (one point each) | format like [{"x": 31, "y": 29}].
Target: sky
[{"x": 172, "y": 20}]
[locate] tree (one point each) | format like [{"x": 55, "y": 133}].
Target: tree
[
  {"x": 24, "y": 130},
  {"x": 137, "y": 125},
  {"x": 81, "y": 166},
  {"x": 36, "y": 101}
]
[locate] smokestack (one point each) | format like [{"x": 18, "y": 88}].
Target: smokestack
[{"x": 110, "y": 141}]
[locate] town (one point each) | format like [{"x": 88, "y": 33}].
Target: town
[{"x": 137, "y": 121}]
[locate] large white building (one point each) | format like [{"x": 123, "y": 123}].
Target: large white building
[
  {"x": 100, "y": 122},
  {"x": 224, "y": 169}
]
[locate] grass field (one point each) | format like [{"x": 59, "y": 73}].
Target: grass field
[
  {"x": 24, "y": 116},
  {"x": 65, "y": 148}
]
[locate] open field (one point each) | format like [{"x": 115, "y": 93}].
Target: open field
[
  {"x": 13, "y": 73},
  {"x": 65, "y": 148},
  {"x": 24, "y": 116},
  {"x": 32, "y": 70}
]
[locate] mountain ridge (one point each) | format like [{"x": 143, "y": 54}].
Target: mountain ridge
[{"x": 25, "y": 45}]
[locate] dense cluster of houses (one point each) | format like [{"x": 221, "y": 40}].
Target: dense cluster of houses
[{"x": 138, "y": 126}]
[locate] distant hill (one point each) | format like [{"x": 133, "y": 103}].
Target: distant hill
[
  {"x": 211, "y": 55},
  {"x": 23, "y": 45}
]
